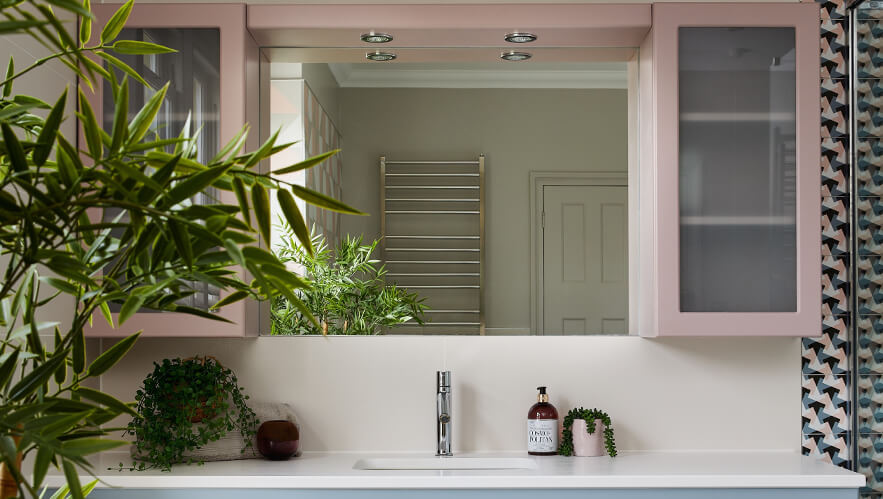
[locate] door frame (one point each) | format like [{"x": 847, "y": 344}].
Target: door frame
[{"x": 538, "y": 181}]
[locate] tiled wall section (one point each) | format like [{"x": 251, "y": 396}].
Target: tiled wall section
[
  {"x": 829, "y": 380},
  {"x": 826, "y": 415},
  {"x": 320, "y": 136}
]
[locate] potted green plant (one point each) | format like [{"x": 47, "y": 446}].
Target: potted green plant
[
  {"x": 587, "y": 432},
  {"x": 348, "y": 294},
  {"x": 147, "y": 247},
  {"x": 183, "y": 405}
]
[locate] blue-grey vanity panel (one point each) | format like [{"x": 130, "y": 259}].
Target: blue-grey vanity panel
[{"x": 476, "y": 494}]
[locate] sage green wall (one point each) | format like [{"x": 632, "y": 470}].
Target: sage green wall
[{"x": 519, "y": 131}]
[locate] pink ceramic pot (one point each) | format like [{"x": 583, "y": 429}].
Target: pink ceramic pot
[{"x": 584, "y": 444}]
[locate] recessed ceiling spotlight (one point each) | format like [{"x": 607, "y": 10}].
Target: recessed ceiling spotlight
[
  {"x": 380, "y": 56},
  {"x": 515, "y": 56},
  {"x": 520, "y": 37},
  {"x": 373, "y": 37}
]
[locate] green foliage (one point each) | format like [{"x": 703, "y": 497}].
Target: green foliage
[
  {"x": 111, "y": 223},
  {"x": 347, "y": 294},
  {"x": 589, "y": 416},
  {"x": 183, "y": 405}
]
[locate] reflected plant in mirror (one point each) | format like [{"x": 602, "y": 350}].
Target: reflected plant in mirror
[{"x": 348, "y": 294}]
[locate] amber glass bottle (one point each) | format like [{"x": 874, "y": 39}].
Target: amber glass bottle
[{"x": 542, "y": 426}]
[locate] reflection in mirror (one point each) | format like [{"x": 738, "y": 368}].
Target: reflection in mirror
[{"x": 497, "y": 192}]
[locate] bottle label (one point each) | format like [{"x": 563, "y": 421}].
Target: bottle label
[{"x": 542, "y": 435}]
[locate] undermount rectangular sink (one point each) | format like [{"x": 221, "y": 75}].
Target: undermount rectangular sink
[{"x": 445, "y": 463}]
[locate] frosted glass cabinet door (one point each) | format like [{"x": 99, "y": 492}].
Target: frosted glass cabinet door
[
  {"x": 739, "y": 249},
  {"x": 208, "y": 76}
]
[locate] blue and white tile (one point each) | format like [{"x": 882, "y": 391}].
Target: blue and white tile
[
  {"x": 831, "y": 448},
  {"x": 835, "y": 285},
  {"x": 828, "y": 353},
  {"x": 869, "y": 344},
  {"x": 835, "y": 166},
  {"x": 869, "y": 102},
  {"x": 869, "y": 403},
  {"x": 834, "y": 48},
  {"x": 869, "y": 166},
  {"x": 869, "y": 226},
  {"x": 825, "y": 404},
  {"x": 832, "y": 9},
  {"x": 869, "y": 50},
  {"x": 870, "y": 461},
  {"x": 835, "y": 107},
  {"x": 835, "y": 226}
]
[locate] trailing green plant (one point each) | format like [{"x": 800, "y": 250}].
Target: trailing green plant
[
  {"x": 347, "y": 292},
  {"x": 183, "y": 405},
  {"x": 110, "y": 223},
  {"x": 589, "y": 416}
]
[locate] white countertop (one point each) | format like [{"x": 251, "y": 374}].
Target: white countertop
[{"x": 725, "y": 469}]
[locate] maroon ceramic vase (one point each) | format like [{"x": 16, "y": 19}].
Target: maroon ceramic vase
[{"x": 278, "y": 439}]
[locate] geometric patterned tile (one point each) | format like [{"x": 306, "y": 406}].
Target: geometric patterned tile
[
  {"x": 831, "y": 448},
  {"x": 835, "y": 48},
  {"x": 869, "y": 285},
  {"x": 835, "y": 226},
  {"x": 869, "y": 167},
  {"x": 835, "y": 285},
  {"x": 869, "y": 226},
  {"x": 835, "y": 166},
  {"x": 870, "y": 43},
  {"x": 834, "y": 107},
  {"x": 869, "y": 404},
  {"x": 828, "y": 353},
  {"x": 869, "y": 101},
  {"x": 870, "y": 461},
  {"x": 869, "y": 345},
  {"x": 832, "y": 9},
  {"x": 870, "y": 9},
  {"x": 825, "y": 404}
]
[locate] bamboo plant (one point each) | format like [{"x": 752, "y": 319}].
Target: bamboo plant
[{"x": 109, "y": 223}]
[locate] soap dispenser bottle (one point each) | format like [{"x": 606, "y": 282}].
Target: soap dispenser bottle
[{"x": 542, "y": 426}]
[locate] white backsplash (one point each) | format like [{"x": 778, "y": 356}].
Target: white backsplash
[{"x": 378, "y": 393}]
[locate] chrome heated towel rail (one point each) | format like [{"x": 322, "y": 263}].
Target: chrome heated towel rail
[{"x": 432, "y": 222}]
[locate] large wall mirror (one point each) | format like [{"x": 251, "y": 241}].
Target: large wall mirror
[{"x": 497, "y": 191}]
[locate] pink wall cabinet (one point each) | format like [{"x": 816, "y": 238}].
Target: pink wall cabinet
[
  {"x": 729, "y": 171},
  {"x": 214, "y": 77}
]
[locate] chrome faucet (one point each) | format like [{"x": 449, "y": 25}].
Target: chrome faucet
[{"x": 443, "y": 412}]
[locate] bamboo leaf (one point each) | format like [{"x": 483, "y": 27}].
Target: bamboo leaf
[
  {"x": 46, "y": 139},
  {"x": 231, "y": 147},
  {"x": 116, "y": 23},
  {"x": 105, "y": 400},
  {"x": 140, "y": 48},
  {"x": 73, "y": 6},
  {"x": 120, "y": 116},
  {"x": 122, "y": 66},
  {"x": 262, "y": 152},
  {"x": 8, "y": 368},
  {"x": 308, "y": 163},
  {"x": 182, "y": 242},
  {"x": 130, "y": 306},
  {"x": 91, "y": 129},
  {"x": 261, "y": 210},
  {"x": 323, "y": 201},
  {"x": 38, "y": 377},
  {"x": 295, "y": 219},
  {"x": 113, "y": 354},
  {"x": 85, "y": 24},
  {"x": 41, "y": 464},
  {"x": 200, "y": 313},
  {"x": 18, "y": 25},
  {"x": 142, "y": 121},
  {"x": 231, "y": 298},
  {"x": 195, "y": 184},
  {"x": 78, "y": 351},
  {"x": 10, "y": 72},
  {"x": 14, "y": 151},
  {"x": 242, "y": 198},
  {"x": 73, "y": 480},
  {"x": 61, "y": 372}
]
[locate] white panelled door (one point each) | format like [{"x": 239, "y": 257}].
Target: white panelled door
[{"x": 585, "y": 259}]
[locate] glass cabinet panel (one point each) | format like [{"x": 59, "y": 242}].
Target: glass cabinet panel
[
  {"x": 195, "y": 92},
  {"x": 737, "y": 188}
]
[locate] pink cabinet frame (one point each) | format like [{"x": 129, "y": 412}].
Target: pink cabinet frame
[
  {"x": 239, "y": 96},
  {"x": 658, "y": 298}
]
